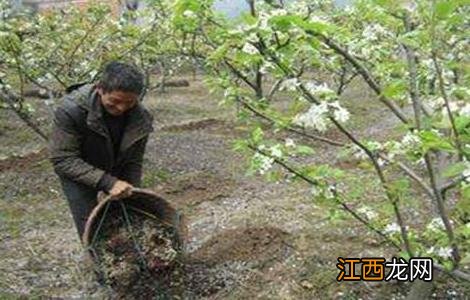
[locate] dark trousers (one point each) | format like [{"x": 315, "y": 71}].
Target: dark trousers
[{"x": 81, "y": 199}]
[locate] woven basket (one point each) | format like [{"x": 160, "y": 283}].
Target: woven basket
[{"x": 145, "y": 202}]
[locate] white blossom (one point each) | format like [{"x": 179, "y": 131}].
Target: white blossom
[
  {"x": 437, "y": 132},
  {"x": 250, "y": 49},
  {"x": 266, "y": 67},
  {"x": 290, "y": 142},
  {"x": 444, "y": 252},
  {"x": 410, "y": 140},
  {"x": 381, "y": 162},
  {"x": 276, "y": 151},
  {"x": 189, "y": 14},
  {"x": 365, "y": 51},
  {"x": 339, "y": 112},
  {"x": 420, "y": 162},
  {"x": 435, "y": 224},
  {"x": 358, "y": 152},
  {"x": 263, "y": 20},
  {"x": 368, "y": 212},
  {"x": 392, "y": 228},
  {"x": 299, "y": 7},
  {"x": 266, "y": 162},
  {"x": 278, "y": 12},
  {"x": 452, "y": 293},
  {"x": 93, "y": 73},
  {"x": 315, "y": 117},
  {"x": 318, "y": 89},
  {"x": 289, "y": 84},
  {"x": 318, "y": 19},
  {"x": 372, "y": 32},
  {"x": 466, "y": 174}
]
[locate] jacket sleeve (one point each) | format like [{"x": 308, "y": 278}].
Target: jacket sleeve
[
  {"x": 64, "y": 151},
  {"x": 132, "y": 167}
]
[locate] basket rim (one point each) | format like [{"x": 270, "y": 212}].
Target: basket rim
[{"x": 101, "y": 204}]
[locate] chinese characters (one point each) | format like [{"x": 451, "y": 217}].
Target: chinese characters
[{"x": 374, "y": 269}]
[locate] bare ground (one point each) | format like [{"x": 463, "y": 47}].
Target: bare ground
[{"x": 247, "y": 238}]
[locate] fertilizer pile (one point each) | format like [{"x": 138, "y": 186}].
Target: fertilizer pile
[{"x": 136, "y": 259}]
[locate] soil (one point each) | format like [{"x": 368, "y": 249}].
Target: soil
[
  {"x": 192, "y": 189},
  {"x": 24, "y": 161}
]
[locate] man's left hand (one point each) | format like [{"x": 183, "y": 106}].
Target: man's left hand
[{"x": 121, "y": 189}]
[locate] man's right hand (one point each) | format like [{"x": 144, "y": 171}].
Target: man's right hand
[{"x": 121, "y": 189}]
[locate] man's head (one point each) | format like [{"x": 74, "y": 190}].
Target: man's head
[{"x": 120, "y": 87}]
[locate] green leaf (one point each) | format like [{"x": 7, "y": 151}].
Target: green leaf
[
  {"x": 257, "y": 135},
  {"x": 462, "y": 123},
  {"x": 316, "y": 27},
  {"x": 395, "y": 89},
  {"x": 466, "y": 192},
  {"x": 411, "y": 39},
  {"x": 432, "y": 141},
  {"x": 284, "y": 23},
  {"x": 240, "y": 145},
  {"x": 454, "y": 169},
  {"x": 463, "y": 204},
  {"x": 444, "y": 8},
  {"x": 448, "y": 265},
  {"x": 219, "y": 53}
]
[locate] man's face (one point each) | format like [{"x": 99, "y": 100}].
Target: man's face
[{"x": 117, "y": 103}]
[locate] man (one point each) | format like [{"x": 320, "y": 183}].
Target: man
[{"x": 99, "y": 138}]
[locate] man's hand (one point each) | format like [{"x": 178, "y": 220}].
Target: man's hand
[{"x": 121, "y": 189}]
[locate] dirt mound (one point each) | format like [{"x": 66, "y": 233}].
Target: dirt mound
[
  {"x": 251, "y": 244},
  {"x": 227, "y": 260},
  {"x": 191, "y": 190}
]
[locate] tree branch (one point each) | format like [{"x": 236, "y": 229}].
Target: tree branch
[
  {"x": 336, "y": 196},
  {"x": 364, "y": 73}
]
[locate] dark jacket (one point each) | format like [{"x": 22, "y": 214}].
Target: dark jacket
[{"x": 81, "y": 148}]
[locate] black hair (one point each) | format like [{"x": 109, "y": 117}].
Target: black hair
[{"x": 119, "y": 76}]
